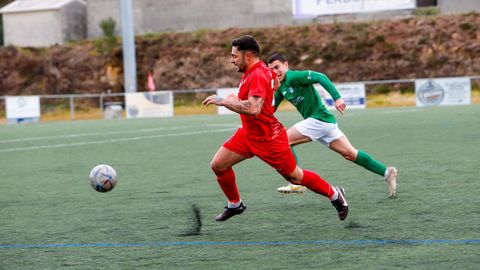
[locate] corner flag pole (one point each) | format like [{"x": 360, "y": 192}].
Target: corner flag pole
[{"x": 128, "y": 42}]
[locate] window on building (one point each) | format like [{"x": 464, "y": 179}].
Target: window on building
[
  {"x": 1, "y": 31},
  {"x": 426, "y": 3}
]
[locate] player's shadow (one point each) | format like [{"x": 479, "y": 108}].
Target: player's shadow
[{"x": 354, "y": 225}]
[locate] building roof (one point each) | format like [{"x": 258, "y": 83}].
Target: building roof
[{"x": 35, "y": 5}]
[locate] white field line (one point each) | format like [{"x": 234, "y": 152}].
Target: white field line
[
  {"x": 409, "y": 110},
  {"x": 78, "y": 135},
  {"x": 356, "y": 112},
  {"x": 65, "y": 145}
]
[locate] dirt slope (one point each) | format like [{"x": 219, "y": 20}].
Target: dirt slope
[{"x": 409, "y": 48}]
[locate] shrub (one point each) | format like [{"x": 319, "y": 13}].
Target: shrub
[
  {"x": 108, "y": 42},
  {"x": 427, "y": 11}
]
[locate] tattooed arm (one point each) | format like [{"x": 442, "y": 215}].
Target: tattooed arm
[{"x": 252, "y": 106}]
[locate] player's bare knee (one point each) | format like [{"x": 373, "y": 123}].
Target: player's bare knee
[
  {"x": 295, "y": 181},
  {"x": 217, "y": 167},
  {"x": 349, "y": 156},
  {"x": 292, "y": 179}
]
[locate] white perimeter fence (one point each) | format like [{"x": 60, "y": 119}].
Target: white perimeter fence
[{"x": 18, "y": 109}]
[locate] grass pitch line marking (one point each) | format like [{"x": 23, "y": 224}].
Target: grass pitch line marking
[
  {"x": 406, "y": 110},
  {"x": 78, "y": 135},
  {"x": 87, "y": 134},
  {"x": 64, "y": 145},
  {"x": 255, "y": 243}
]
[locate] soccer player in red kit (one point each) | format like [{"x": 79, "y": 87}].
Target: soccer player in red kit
[{"x": 261, "y": 134}]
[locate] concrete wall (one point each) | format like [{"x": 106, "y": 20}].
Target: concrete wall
[
  {"x": 458, "y": 6},
  {"x": 74, "y": 21},
  {"x": 98, "y": 10},
  {"x": 187, "y": 15},
  {"x": 35, "y": 29},
  {"x": 42, "y": 28}
]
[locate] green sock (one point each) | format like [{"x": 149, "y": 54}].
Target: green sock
[
  {"x": 294, "y": 154},
  {"x": 365, "y": 160}
]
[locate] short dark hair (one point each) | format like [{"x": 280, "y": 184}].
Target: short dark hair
[
  {"x": 277, "y": 56},
  {"x": 247, "y": 43}
]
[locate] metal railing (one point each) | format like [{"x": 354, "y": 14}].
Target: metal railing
[{"x": 103, "y": 96}]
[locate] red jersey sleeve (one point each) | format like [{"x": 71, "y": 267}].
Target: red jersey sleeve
[{"x": 259, "y": 84}]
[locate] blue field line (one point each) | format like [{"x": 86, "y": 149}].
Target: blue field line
[{"x": 254, "y": 243}]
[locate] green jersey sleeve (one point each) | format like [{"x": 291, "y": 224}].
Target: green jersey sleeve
[
  {"x": 278, "y": 98},
  {"x": 306, "y": 77}
]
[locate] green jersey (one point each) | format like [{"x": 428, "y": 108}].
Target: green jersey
[{"x": 297, "y": 87}]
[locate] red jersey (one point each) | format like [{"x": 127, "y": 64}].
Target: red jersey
[{"x": 258, "y": 81}]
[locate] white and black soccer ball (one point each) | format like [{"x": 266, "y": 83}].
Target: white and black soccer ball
[{"x": 103, "y": 178}]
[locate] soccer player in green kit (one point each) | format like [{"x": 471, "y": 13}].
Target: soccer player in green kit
[{"x": 319, "y": 124}]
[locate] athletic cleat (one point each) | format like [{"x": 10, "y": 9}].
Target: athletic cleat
[
  {"x": 391, "y": 180},
  {"x": 291, "y": 188},
  {"x": 341, "y": 203},
  {"x": 230, "y": 212}
]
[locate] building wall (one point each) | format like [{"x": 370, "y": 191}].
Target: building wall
[
  {"x": 35, "y": 29},
  {"x": 98, "y": 10},
  {"x": 74, "y": 21},
  {"x": 458, "y": 6},
  {"x": 187, "y": 15}
]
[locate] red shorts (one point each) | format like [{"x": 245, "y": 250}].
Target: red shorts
[{"x": 275, "y": 152}]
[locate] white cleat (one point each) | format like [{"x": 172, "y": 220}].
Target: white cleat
[
  {"x": 391, "y": 180},
  {"x": 291, "y": 188}
]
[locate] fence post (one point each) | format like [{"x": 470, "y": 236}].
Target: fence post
[
  {"x": 101, "y": 102},
  {"x": 72, "y": 108}
]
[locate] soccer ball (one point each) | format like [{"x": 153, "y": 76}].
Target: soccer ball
[{"x": 103, "y": 178}]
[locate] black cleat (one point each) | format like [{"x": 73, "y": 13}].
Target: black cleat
[
  {"x": 341, "y": 203},
  {"x": 230, "y": 212}
]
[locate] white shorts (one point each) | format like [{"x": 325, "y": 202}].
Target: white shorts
[{"x": 318, "y": 130}]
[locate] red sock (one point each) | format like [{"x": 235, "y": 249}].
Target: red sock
[
  {"x": 316, "y": 184},
  {"x": 226, "y": 180}
]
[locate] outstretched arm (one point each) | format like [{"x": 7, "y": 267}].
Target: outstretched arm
[
  {"x": 340, "y": 105},
  {"x": 325, "y": 82},
  {"x": 252, "y": 106},
  {"x": 311, "y": 77}
]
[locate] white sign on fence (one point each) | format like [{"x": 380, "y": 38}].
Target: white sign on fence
[
  {"x": 149, "y": 104},
  {"x": 313, "y": 8},
  {"x": 22, "y": 109},
  {"x": 443, "y": 91},
  {"x": 226, "y": 93},
  {"x": 352, "y": 93}
]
